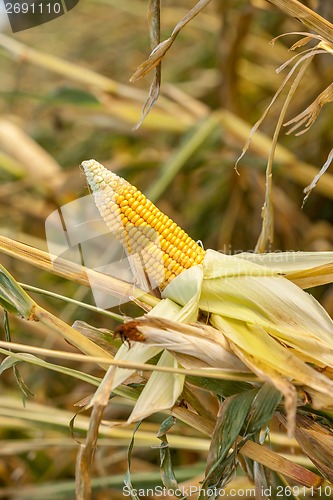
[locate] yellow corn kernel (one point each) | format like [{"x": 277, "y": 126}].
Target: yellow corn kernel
[{"x": 161, "y": 247}]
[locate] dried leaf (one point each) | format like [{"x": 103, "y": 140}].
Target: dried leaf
[
  {"x": 154, "y": 92},
  {"x": 98, "y": 402},
  {"x": 323, "y": 169},
  {"x": 308, "y": 278},
  {"x": 310, "y": 114},
  {"x": 199, "y": 341},
  {"x": 307, "y": 16},
  {"x": 159, "y": 52},
  {"x": 255, "y": 127},
  {"x": 154, "y": 31},
  {"x": 267, "y": 215},
  {"x": 316, "y": 442},
  {"x": 102, "y": 337},
  {"x": 303, "y": 41}
]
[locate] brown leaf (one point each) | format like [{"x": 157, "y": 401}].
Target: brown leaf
[
  {"x": 316, "y": 442},
  {"x": 159, "y": 52},
  {"x": 306, "y": 16},
  {"x": 310, "y": 114}
]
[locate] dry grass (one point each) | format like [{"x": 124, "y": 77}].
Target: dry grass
[{"x": 65, "y": 96}]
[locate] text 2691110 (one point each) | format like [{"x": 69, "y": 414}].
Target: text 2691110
[{"x": 32, "y": 8}]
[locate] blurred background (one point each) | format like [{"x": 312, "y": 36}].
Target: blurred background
[{"x": 65, "y": 97}]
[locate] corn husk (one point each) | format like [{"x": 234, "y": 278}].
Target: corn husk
[
  {"x": 161, "y": 390},
  {"x": 266, "y": 324},
  {"x": 288, "y": 262},
  {"x": 246, "y": 301},
  {"x": 166, "y": 387},
  {"x": 195, "y": 345},
  {"x": 271, "y": 323},
  {"x": 258, "y": 295}
]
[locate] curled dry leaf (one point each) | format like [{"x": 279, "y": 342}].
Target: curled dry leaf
[
  {"x": 310, "y": 114},
  {"x": 307, "y": 117},
  {"x": 304, "y": 56},
  {"x": 202, "y": 342},
  {"x": 159, "y": 52},
  {"x": 306, "y": 16},
  {"x": 307, "y": 37},
  {"x": 154, "y": 31},
  {"x": 323, "y": 169}
]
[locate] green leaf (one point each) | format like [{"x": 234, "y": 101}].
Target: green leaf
[
  {"x": 127, "y": 478},
  {"x": 263, "y": 408},
  {"x": 14, "y": 358},
  {"x": 165, "y": 427},
  {"x": 167, "y": 472},
  {"x": 223, "y": 388},
  {"x": 12, "y": 296},
  {"x": 230, "y": 421},
  {"x": 23, "y": 388},
  {"x": 7, "y": 363},
  {"x": 244, "y": 414},
  {"x": 73, "y": 96}
]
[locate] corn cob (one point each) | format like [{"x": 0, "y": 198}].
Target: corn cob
[{"x": 157, "y": 244}]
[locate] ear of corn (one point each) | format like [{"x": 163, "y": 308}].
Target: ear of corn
[
  {"x": 154, "y": 242},
  {"x": 271, "y": 324}
]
